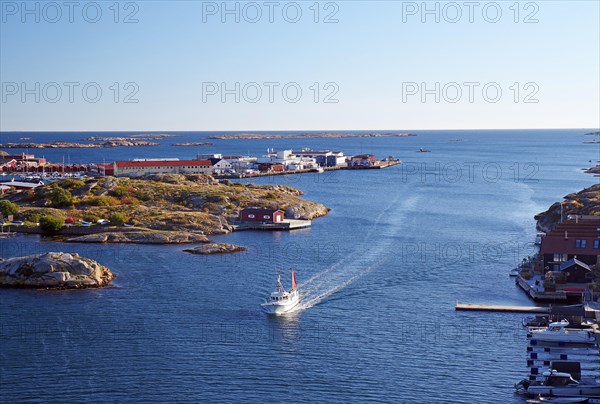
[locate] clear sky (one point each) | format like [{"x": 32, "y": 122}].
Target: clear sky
[{"x": 384, "y": 62}]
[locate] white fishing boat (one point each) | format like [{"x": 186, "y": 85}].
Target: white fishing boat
[
  {"x": 281, "y": 300},
  {"x": 558, "y": 332},
  {"x": 559, "y": 384}
]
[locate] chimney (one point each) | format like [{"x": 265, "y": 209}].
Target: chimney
[{"x": 566, "y": 235}]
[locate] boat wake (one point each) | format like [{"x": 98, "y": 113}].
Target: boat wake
[{"x": 366, "y": 258}]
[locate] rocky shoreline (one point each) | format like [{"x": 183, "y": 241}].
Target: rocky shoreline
[
  {"x": 54, "y": 270},
  {"x": 215, "y": 248},
  {"x": 584, "y": 202},
  {"x": 166, "y": 209}
]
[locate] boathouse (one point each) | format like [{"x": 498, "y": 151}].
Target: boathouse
[
  {"x": 261, "y": 215},
  {"x": 362, "y": 160},
  {"x": 576, "y": 271},
  {"x": 578, "y": 238}
]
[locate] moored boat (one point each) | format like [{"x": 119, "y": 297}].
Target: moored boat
[
  {"x": 281, "y": 300},
  {"x": 558, "y": 384},
  {"x": 558, "y": 332}
]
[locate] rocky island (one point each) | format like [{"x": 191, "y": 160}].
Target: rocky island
[
  {"x": 159, "y": 209},
  {"x": 53, "y": 270},
  {"x": 308, "y": 135},
  {"x": 193, "y": 144},
  {"x": 114, "y": 142}
]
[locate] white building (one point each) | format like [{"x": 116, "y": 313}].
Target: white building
[{"x": 161, "y": 166}]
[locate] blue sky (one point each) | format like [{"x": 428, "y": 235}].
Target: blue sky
[{"x": 376, "y": 61}]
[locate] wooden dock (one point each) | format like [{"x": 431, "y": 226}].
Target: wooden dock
[
  {"x": 507, "y": 309},
  {"x": 287, "y": 224}
]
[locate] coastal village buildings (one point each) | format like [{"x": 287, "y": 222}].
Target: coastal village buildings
[
  {"x": 362, "y": 160},
  {"x": 573, "y": 246},
  {"x": 137, "y": 168}
]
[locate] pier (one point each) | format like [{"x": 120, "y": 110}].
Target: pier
[
  {"x": 286, "y": 224},
  {"x": 500, "y": 308}
]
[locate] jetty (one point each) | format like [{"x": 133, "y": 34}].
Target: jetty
[
  {"x": 501, "y": 308},
  {"x": 286, "y": 224}
]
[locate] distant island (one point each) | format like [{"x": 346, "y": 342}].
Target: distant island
[
  {"x": 309, "y": 135},
  {"x": 193, "y": 144},
  {"x": 115, "y": 142},
  {"x": 132, "y": 138}
]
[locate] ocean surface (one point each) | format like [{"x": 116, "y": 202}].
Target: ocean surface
[{"x": 379, "y": 276}]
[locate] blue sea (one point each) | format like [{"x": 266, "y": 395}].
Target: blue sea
[{"x": 380, "y": 276}]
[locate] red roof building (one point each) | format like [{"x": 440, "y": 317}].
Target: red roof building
[
  {"x": 261, "y": 215},
  {"x": 579, "y": 239},
  {"x": 146, "y": 167}
]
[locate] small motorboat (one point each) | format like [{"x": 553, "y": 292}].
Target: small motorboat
[
  {"x": 422, "y": 150},
  {"x": 536, "y": 321},
  {"x": 282, "y": 301},
  {"x": 558, "y": 384},
  {"x": 514, "y": 272},
  {"x": 558, "y": 332}
]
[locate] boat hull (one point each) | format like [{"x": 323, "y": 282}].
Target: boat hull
[
  {"x": 571, "y": 391},
  {"x": 275, "y": 308}
]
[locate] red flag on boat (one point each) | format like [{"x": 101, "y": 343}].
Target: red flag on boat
[{"x": 294, "y": 286}]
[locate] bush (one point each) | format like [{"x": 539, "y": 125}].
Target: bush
[
  {"x": 117, "y": 219},
  {"x": 105, "y": 201},
  {"x": 120, "y": 191},
  {"x": 8, "y": 208},
  {"x": 51, "y": 224},
  {"x": 89, "y": 217},
  {"x": 71, "y": 183},
  {"x": 59, "y": 197}
]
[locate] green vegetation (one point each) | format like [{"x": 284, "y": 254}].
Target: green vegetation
[
  {"x": 51, "y": 224},
  {"x": 8, "y": 208},
  {"x": 117, "y": 219},
  {"x": 59, "y": 197},
  {"x": 90, "y": 217},
  {"x": 194, "y": 203}
]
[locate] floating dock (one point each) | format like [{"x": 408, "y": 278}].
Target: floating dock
[
  {"x": 507, "y": 309},
  {"x": 287, "y": 224}
]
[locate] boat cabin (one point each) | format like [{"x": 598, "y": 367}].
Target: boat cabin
[{"x": 557, "y": 379}]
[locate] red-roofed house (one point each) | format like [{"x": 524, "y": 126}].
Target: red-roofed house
[
  {"x": 146, "y": 167},
  {"x": 362, "y": 160},
  {"x": 579, "y": 239}
]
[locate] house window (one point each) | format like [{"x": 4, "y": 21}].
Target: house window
[
  {"x": 560, "y": 257},
  {"x": 580, "y": 243},
  {"x": 596, "y": 244},
  {"x": 583, "y": 243}
]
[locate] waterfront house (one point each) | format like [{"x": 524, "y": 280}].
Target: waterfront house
[
  {"x": 362, "y": 160},
  {"x": 576, "y": 271},
  {"x": 220, "y": 166},
  {"x": 266, "y": 167},
  {"x": 137, "y": 168},
  {"x": 577, "y": 238},
  {"x": 261, "y": 215}
]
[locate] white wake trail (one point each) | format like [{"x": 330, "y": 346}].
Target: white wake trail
[{"x": 367, "y": 257}]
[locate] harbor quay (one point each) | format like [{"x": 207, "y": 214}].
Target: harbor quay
[{"x": 220, "y": 166}]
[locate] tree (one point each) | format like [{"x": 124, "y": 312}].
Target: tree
[
  {"x": 51, "y": 224},
  {"x": 59, "y": 197},
  {"x": 8, "y": 208},
  {"x": 117, "y": 219}
]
